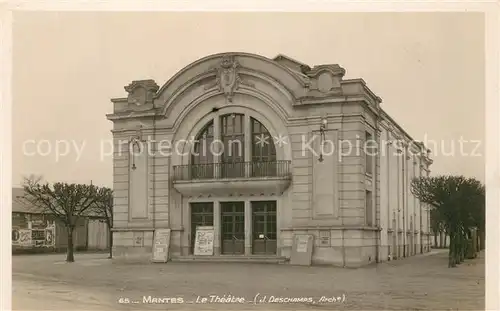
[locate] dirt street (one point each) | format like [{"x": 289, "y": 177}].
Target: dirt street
[{"x": 46, "y": 282}]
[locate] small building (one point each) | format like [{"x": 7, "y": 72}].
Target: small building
[
  {"x": 33, "y": 231},
  {"x": 263, "y": 150}
]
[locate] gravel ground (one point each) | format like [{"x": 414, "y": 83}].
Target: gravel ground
[{"x": 424, "y": 282}]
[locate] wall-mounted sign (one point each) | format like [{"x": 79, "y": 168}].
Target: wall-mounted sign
[
  {"x": 324, "y": 238},
  {"x": 204, "y": 242}
]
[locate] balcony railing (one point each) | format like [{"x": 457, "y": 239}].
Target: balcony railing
[{"x": 233, "y": 170}]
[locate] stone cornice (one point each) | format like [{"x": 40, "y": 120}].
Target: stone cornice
[
  {"x": 334, "y": 99},
  {"x": 119, "y": 100},
  {"x": 333, "y": 227},
  {"x": 291, "y": 122},
  {"x": 376, "y": 100},
  {"x": 127, "y": 115}
]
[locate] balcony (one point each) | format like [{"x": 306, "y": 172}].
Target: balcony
[{"x": 238, "y": 178}]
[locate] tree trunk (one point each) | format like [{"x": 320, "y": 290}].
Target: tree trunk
[
  {"x": 451, "y": 262},
  {"x": 451, "y": 252},
  {"x": 478, "y": 247},
  {"x": 462, "y": 249},
  {"x": 479, "y": 240},
  {"x": 460, "y": 246},
  {"x": 110, "y": 243},
  {"x": 435, "y": 239},
  {"x": 482, "y": 240},
  {"x": 70, "y": 252}
]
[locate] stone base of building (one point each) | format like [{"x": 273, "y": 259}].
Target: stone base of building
[
  {"x": 348, "y": 248},
  {"x": 128, "y": 254}
]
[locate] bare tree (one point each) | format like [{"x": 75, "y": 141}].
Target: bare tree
[
  {"x": 103, "y": 207},
  {"x": 66, "y": 202}
]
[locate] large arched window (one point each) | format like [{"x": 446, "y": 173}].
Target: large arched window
[
  {"x": 202, "y": 157},
  {"x": 236, "y": 132},
  {"x": 263, "y": 150},
  {"x": 232, "y": 133}
]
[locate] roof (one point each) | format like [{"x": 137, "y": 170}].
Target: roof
[{"x": 18, "y": 206}]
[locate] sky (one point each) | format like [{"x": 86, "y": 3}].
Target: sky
[{"x": 428, "y": 68}]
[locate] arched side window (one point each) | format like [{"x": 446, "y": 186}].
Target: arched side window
[
  {"x": 202, "y": 157},
  {"x": 263, "y": 150}
]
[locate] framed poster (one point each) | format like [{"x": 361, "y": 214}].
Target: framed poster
[
  {"x": 204, "y": 243},
  {"x": 161, "y": 244},
  {"x": 302, "y": 241},
  {"x": 302, "y": 249}
]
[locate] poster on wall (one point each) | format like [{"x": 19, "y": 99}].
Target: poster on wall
[
  {"x": 204, "y": 242},
  {"x": 38, "y": 237},
  {"x": 302, "y": 249},
  {"x": 15, "y": 236},
  {"x": 25, "y": 237},
  {"x": 161, "y": 244},
  {"x": 302, "y": 241},
  {"x": 50, "y": 233}
]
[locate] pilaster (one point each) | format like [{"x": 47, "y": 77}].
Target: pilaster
[
  {"x": 217, "y": 228},
  {"x": 217, "y": 141},
  {"x": 248, "y": 143},
  {"x": 248, "y": 228}
]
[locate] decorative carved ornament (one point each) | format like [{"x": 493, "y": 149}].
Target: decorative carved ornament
[
  {"x": 138, "y": 133},
  {"x": 227, "y": 78},
  {"x": 141, "y": 92}
]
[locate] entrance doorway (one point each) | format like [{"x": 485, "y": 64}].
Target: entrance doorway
[
  {"x": 202, "y": 214},
  {"x": 264, "y": 227},
  {"x": 233, "y": 228}
]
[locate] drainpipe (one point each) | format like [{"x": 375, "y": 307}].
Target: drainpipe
[
  {"x": 375, "y": 175},
  {"x": 404, "y": 198},
  {"x": 387, "y": 185},
  {"x": 154, "y": 175},
  {"x": 340, "y": 186}
]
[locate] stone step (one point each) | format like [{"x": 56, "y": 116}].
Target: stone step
[{"x": 227, "y": 258}]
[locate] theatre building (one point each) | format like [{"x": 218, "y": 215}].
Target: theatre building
[{"x": 264, "y": 150}]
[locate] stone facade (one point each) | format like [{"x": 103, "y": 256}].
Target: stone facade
[{"x": 358, "y": 207}]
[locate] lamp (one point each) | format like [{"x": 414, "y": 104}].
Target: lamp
[
  {"x": 134, "y": 142},
  {"x": 322, "y": 128}
]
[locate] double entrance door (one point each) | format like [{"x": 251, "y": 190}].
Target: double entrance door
[
  {"x": 232, "y": 225},
  {"x": 264, "y": 227},
  {"x": 232, "y": 228}
]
